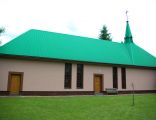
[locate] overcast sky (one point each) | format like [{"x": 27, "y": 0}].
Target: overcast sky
[{"x": 82, "y": 18}]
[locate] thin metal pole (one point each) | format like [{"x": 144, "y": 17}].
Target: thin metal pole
[
  {"x": 133, "y": 103},
  {"x": 127, "y": 15}
]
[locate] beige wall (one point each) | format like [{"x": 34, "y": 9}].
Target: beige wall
[
  {"x": 38, "y": 76},
  {"x": 89, "y": 72},
  {"x": 143, "y": 79},
  {"x": 49, "y": 76}
]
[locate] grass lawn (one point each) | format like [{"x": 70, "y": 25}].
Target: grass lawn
[{"x": 78, "y": 108}]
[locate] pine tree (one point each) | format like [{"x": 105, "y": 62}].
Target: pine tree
[
  {"x": 2, "y": 30},
  {"x": 104, "y": 35}
]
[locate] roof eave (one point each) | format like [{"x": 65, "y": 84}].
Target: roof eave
[{"x": 9, "y": 56}]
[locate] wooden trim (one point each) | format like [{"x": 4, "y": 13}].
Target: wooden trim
[
  {"x": 136, "y": 91},
  {"x": 9, "y": 79},
  {"x": 4, "y": 93},
  {"x": 56, "y": 93},
  {"x": 63, "y": 93},
  {"x": 102, "y": 81},
  {"x": 73, "y": 61}
]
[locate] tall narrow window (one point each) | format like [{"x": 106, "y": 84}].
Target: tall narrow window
[
  {"x": 123, "y": 74},
  {"x": 115, "y": 77},
  {"x": 68, "y": 73},
  {"x": 79, "y": 76}
]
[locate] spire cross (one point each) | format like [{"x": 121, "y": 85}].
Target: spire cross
[{"x": 127, "y": 15}]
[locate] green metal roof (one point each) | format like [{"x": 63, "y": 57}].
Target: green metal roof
[{"x": 36, "y": 43}]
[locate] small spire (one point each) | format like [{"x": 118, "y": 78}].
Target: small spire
[{"x": 128, "y": 34}]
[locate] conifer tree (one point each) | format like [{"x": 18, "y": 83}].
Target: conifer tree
[
  {"x": 104, "y": 35},
  {"x": 2, "y": 30}
]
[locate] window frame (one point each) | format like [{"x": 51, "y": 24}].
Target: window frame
[
  {"x": 115, "y": 77},
  {"x": 123, "y": 77},
  {"x": 68, "y": 76},
  {"x": 80, "y": 76}
]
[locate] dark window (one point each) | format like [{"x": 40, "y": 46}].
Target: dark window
[
  {"x": 123, "y": 74},
  {"x": 68, "y": 73},
  {"x": 115, "y": 77},
  {"x": 79, "y": 75}
]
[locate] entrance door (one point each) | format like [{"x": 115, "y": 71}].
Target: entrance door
[
  {"x": 98, "y": 83},
  {"x": 15, "y": 82}
]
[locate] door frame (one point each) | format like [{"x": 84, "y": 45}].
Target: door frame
[
  {"x": 9, "y": 80},
  {"x": 102, "y": 81}
]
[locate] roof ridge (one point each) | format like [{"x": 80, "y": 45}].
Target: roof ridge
[{"x": 129, "y": 49}]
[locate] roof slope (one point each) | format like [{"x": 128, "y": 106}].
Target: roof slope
[{"x": 36, "y": 43}]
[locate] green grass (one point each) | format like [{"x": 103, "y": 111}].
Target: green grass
[{"x": 78, "y": 108}]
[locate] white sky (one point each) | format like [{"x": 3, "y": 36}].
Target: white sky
[{"x": 82, "y": 18}]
